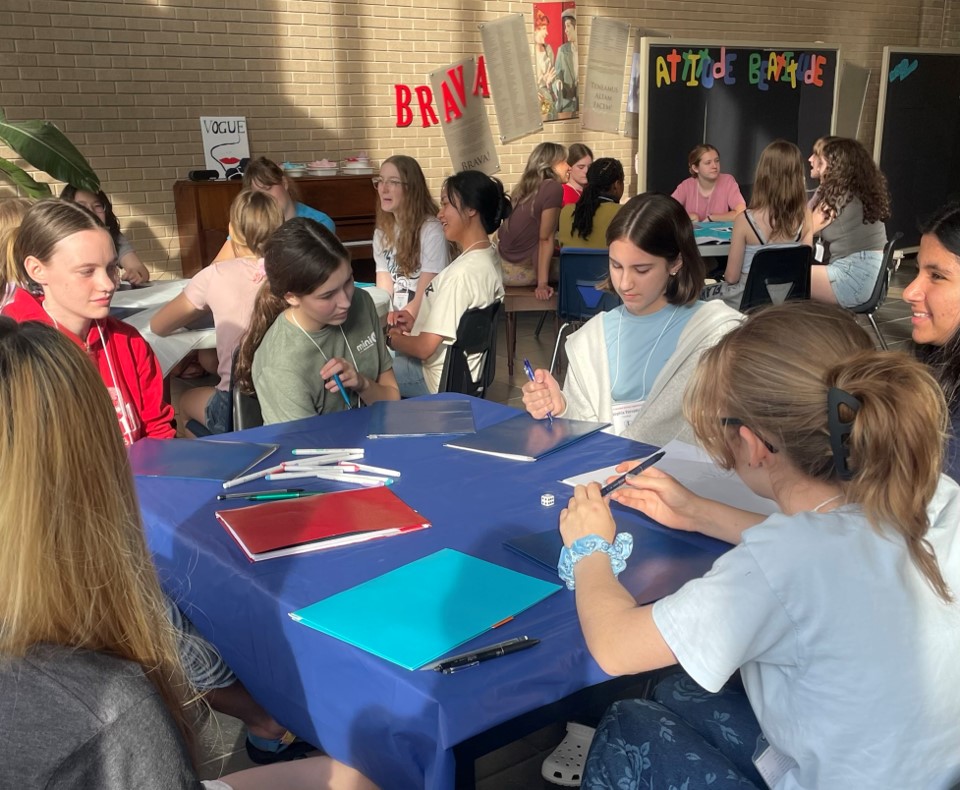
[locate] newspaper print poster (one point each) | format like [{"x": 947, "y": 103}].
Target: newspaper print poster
[{"x": 556, "y": 59}]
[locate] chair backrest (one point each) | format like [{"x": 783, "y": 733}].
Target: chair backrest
[
  {"x": 777, "y": 275},
  {"x": 581, "y": 269},
  {"x": 476, "y": 334},
  {"x": 246, "y": 408},
  {"x": 883, "y": 279}
]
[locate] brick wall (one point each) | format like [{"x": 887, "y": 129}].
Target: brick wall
[{"x": 127, "y": 80}]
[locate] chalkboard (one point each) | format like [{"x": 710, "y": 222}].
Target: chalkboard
[
  {"x": 918, "y": 134},
  {"x": 738, "y": 97}
]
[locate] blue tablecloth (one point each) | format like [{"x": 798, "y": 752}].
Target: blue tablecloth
[{"x": 397, "y": 727}]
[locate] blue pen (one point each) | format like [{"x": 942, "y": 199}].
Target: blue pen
[
  {"x": 529, "y": 369},
  {"x": 343, "y": 392}
]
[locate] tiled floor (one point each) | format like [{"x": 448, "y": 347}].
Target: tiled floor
[{"x": 517, "y": 765}]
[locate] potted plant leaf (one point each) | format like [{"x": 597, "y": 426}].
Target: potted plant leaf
[{"x": 45, "y": 147}]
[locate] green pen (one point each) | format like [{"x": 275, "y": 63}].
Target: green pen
[{"x": 280, "y": 495}]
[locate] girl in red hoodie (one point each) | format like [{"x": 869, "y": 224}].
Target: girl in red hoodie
[{"x": 65, "y": 250}]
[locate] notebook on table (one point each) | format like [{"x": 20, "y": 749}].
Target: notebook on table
[
  {"x": 421, "y": 611},
  {"x": 522, "y": 438},
  {"x": 396, "y": 418},
  {"x": 201, "y": 459},
  {"x": 316, "y": 523}
]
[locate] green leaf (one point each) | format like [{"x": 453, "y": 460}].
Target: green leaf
[
  {"x": 24, "y": 182},
  {"x": 45, "y": 147}
]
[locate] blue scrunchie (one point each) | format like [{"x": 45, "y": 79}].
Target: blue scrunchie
[{"x": 583, "y": 547}]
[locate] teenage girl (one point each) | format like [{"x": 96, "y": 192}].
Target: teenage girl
[
  {"x": 579, "y": 157},
  {"x": 227, "y": 289},
  {"x": 585, "y": 223},
  {"x": 778, "y": 216},
  {"x": 264, "y": 175},
  {"x": 472, "y": 206},
  {"x": 11, "y": 215},
  {"x": 87, "y": 654},
  {"x": 408, "y": 244},
  {"x": 708, "y": 195},
  {"x": 69, "y": 254},
  {"x": 839, "y": 611},
  {"x": 311, "y": 327},
  {"x": 526, "y": 241},
  {"x": 132, "y": 268},
  {"x": 630, "y": 366},
  {"x": 818, "y": 166},
  {"x": 853, "y": 205}
]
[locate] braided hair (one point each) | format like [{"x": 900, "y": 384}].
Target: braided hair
[{"x": 602, "y": 176}]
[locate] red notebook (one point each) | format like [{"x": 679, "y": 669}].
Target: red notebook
[{"x": 296, "y": 526}]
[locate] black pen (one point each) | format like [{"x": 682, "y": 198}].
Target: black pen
[
  {"x": 612, "y": 486},
  {"x": 457, "y": 663},
  {"x": 246, "y": 494}
]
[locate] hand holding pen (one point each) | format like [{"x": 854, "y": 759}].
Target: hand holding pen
[
  {"x": 341, "y": 375},
  {"x": 541, "y": 395}
]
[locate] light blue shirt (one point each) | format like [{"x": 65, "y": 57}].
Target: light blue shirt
[
  {"x": 304, "y": 210},
  {"x": 638, "y": 346}
]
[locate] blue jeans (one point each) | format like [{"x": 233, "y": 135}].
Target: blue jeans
[
  {"x": 409, "y": 373},
  {"x": 684, "y": 738}
]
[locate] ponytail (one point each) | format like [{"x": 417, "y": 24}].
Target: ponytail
[
  {"x": 266, "y": 310},
  {"x": 602, "y": 176},
  {"x": 895, "y": 453}
]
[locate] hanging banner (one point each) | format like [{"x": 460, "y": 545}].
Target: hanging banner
[
  {"x": 463, "y": 117},
  {"x": 603, "y": 86},
  {"x": 556, "y": 59},
  {"x": 507, "y": 55}
]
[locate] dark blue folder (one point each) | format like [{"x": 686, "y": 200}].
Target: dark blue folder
[
  {"x": 393, "y": 418},
  {"x": 196, "y": 458},
  {"x": 523, "y": 438},
  {"x": 660, "y": 563}
]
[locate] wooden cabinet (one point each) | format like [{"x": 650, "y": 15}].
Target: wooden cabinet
[{"x": 203, "y": 214}]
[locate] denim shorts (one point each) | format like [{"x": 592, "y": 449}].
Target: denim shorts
[
  {"x": 217, "y": 415},
  {"x": 853, "y": 276}
]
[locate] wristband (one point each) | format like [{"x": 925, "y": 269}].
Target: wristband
[{"x": 618, "y": 552}]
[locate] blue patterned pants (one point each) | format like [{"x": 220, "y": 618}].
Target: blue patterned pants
[{"x": 684, "y": 739}]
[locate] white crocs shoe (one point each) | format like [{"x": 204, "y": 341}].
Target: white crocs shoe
[{"x": 564, "y": 766}]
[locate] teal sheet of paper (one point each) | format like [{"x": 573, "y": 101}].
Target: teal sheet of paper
[{"x": 421, "y": 611}]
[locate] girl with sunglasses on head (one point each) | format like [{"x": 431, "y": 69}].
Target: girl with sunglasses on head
[
  {"x": 131, "y": 267},
  {"x": 88, "y": 655},
  {"x": 630, "y": 366},
  {"x": 409, "y": 247},
  {"x": 472, "y": 206},
  {"x": 312, "y": 328},
  {"x": 68, "y": 253},
  {"x": 839, "y": 612}
]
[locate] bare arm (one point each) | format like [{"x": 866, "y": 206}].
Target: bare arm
[
  {"x": 175, "y": 314},
  {"x": 731, "y": 214},
  {"x": 549, "y": 222},
  {"x": 738, "y": 243},
  {"x": 384, "y": 388},
  {"x": 134, "y": 272},
  {"x": 419, "y": 346},
  {"x": 385, "y": 281},
  {"x": 413, "y": 307},
  {"x": 806, "y": 235}
]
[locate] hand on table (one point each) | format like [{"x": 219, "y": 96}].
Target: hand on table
[
  {"x": 694, "y": 217},
  {"x": 542, "y": 395},
  {"x": 659, "y": 496},
  {"x": 587, "y": 513},
  {"x": 349, "y": 376}
]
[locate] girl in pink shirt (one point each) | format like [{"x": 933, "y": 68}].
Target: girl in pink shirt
[{"x": 708, "y": 194}]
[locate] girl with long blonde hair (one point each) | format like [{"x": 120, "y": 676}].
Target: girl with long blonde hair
[
  {"x": 12, "y": 211},
  {"x": 777, "y": 217},
  {"x": 527, "y": 238},
  {"x": 839, "y": 611}
]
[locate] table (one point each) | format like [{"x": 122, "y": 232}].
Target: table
[
  {"x": 147, "y": 299},
  {"x": 398, "y": 727}
]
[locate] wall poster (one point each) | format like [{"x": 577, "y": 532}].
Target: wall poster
[
  {"x": 463, "y": 117},
  {"x": 556, "y": 59}
]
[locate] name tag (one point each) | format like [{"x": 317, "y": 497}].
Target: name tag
[
  {"x": 624, "y": 413},
  {"x": 771, "y": 764},
  {"x": 400, "y": 299},
  {"x": 818, "y": 252}
]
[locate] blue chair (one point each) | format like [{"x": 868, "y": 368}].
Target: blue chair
[{"x": 578, "y": 297}]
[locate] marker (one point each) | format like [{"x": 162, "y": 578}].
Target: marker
[
  {"x": 377, "y": 470},
  {"x": 529, "y": 370},
  {"x": 280, "y": 495},
  {"x": 343, "y": 392},
  {"x": 645, "y": 464},
  {"x": 253, "y": 476},
  {"x": 245, "y": 494},
  {"x": 329, "y": 451}
]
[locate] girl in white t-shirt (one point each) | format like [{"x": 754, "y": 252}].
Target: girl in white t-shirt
[
  {"x": 408, "y": 244},
  {"x": 838, "y": 611}
]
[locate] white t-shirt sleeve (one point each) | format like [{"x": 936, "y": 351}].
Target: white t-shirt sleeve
[
  {"x": 433, "y": 247},
  {"x": 379, "y": 257},
  {"x": 714, "y": 625}
]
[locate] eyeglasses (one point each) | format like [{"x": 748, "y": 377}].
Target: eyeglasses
[
  {"x": 393, "y": 183},
  {"x": 736, "y": 421}
]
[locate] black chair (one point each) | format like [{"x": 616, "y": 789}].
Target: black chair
[
  {"x": 578, "y": 298},
  {"x": 880, "y": 288},
  {"x": 777, "y": 275},
  {"x": 476, "y": 334}
]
